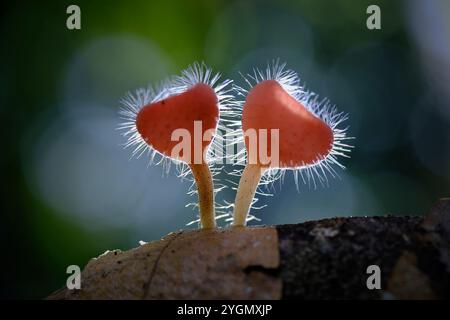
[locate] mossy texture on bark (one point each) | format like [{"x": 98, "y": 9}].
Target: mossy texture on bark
[{"x": 324, "y": 259}]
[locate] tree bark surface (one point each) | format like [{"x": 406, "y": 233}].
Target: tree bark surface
[{"x": 325, "y": 259}]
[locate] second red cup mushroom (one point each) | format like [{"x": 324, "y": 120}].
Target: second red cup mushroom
[{"x": 286, "y": 128}]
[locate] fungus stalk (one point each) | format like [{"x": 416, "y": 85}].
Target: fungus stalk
[
  {"x": 246, "y": 192},
  {"x": 205, "y": 187}
]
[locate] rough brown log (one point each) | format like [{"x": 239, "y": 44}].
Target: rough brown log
[{"x": 324, "y": 259}]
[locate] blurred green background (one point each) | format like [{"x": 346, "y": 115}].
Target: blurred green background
[{"x": 69, "y": 190}]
